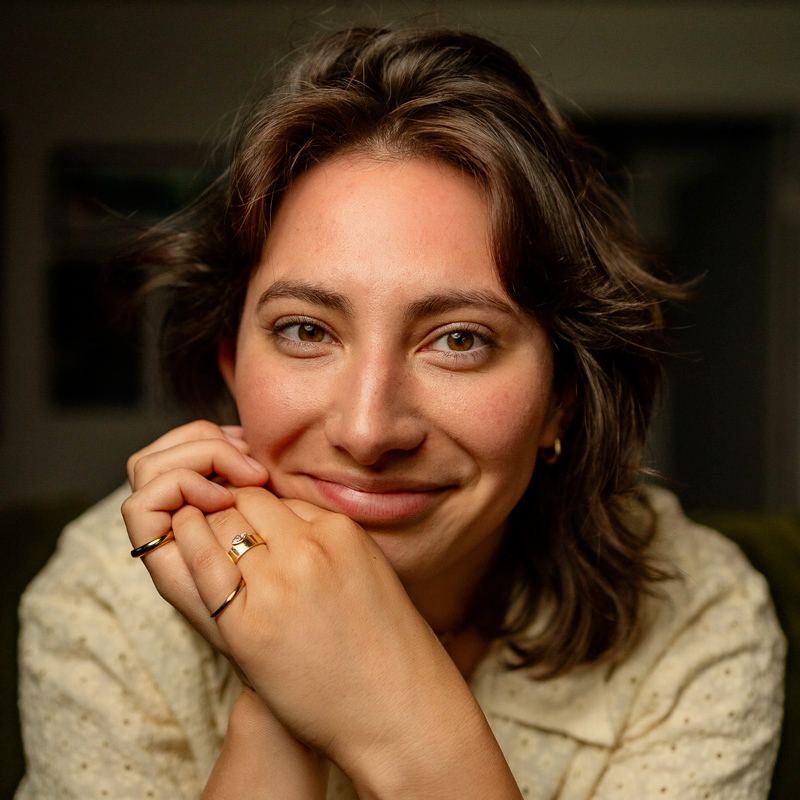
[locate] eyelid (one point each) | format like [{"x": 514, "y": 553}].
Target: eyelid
[
  {"x": 473, "y": 327},
  {"x": 295, "y": 319}
]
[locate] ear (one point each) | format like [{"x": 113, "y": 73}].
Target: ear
[
  {"x": 559, "y": 419},
  {"x": 226, "y": 361}
]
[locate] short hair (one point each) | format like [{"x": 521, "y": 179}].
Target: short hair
[{"x": 565, "y": 251}]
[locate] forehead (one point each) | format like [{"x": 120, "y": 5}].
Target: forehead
[{"x": 390, "y": 223}]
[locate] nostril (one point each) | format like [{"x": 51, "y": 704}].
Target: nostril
[{"x": 369, "y": 437}]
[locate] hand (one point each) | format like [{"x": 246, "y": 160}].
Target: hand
[
  {"x": 175, "y": 470},
  {"x": 261, "y": 759},
  {"x": 328, "y": 637}
]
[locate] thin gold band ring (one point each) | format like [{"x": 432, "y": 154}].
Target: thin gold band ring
[
  {"x": 153, "y": 544},
  {"x": 228, "y": 600}
]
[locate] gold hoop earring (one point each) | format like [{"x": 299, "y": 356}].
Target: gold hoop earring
[{"x": 550, "y": 454}]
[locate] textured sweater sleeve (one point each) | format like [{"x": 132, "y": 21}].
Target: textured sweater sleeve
[{"x": 119, "y": 698}]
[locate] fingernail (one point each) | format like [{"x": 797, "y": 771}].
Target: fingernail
[
  {"x": 232, "y": 431},
  {"x": 222, "y": 489},
  {"x": 253, "y": 463}
]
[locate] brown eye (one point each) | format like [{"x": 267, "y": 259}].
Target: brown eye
[
  {"x": 296, "y": 333},
  {"x": 310, "y": 333},
  {"x": 463, "y": 346},
  {"x": 460, "y": 340}
]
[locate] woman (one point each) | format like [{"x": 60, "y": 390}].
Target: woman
[{"x": 424, "y": 552}]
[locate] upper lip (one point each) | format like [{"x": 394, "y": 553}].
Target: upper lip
[{"x": 379, "y": 484}]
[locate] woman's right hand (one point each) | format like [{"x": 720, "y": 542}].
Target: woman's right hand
[{"x": 180, "y": 468}]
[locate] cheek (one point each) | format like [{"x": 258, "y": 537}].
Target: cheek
[
  {"x": 501, "y": 425},
  {"x": 274, "y": 412}
]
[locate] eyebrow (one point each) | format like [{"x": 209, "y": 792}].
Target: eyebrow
[
  {"x": 428, "y": 306},
  {"x": 451, "y": 301},
  {"x": 308, "y": 293}
]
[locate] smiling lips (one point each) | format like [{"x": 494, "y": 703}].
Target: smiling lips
[{"x": 378, "y": 500}]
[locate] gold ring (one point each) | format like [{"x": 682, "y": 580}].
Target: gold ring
[
  {"x": 154, "y": 544},
  {"x": 227, "y": 601},
  {"x": 241, "y": 543}
]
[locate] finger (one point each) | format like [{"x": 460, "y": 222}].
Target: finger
[
  {"x": 235, "y": 435},
  {"x": 198, "y": 429},
  {"x": 213, "y": 572},
  {"x": 227, "y": 524},
  {"x": 268, "y": 515},
  {"x": 148, "y": 512},
  {"x": 206, "y": 457},
  {"x": 176, "y": 585},
  {"x": 165, "y": 562}
]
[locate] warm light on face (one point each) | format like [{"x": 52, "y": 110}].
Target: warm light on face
[{"x": 381, "y": 370}]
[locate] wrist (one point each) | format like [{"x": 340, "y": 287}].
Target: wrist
[
  {"x": 450, "y": 753},
  {"x": 261, "y": 759},
  {"x": 252, "y": 726}
]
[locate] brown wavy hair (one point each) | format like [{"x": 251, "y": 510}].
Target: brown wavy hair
[{"x": 564, "y": 249}]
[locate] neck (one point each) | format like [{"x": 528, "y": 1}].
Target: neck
[
  {"x": 467, "y": 649},
  {"x": 445, "y": 599},
  {"x": 444, "y": 604}
]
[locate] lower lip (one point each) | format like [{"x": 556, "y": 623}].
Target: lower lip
[{"x": 376, "y": 507}]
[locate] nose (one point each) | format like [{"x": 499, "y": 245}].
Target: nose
[{"x": 374, "y": 412}]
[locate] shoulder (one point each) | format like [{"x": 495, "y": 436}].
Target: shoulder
[
  {"x": 105, "y": 661},
  {"x": 93, "y": 592},
  {"x": 716, "y": 607},
  {"x": 689, "y": 544},
  {"x": 694, "y": 708},
  {"x": 89, "y": 557},
  {"x": 92, "y": 599},
  {"x": 704, "y": 686},
  {"x": 710, "y": 576}
]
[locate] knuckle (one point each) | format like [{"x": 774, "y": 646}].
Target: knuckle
[
  {"x": 343, "y": 528},
  {"x": 249, "y": 493},
  {"x": 164, "y": 592},
  {"x": 205, "y": 558},
  {"x": 221, "y": 519},
  {"x": 134, "y": 467},
  {"x": 185, "y": 515},
  {"x": 203, "y": 429},
  {"x": 310, "y": 558},
  {"x": 168, "y": 591},
  {"x": 126, "y": 508},
  {"x": 138, "y": 469},
  {"x": 129, "y": 507},
  {"x": 184, "y": 475},
  {"x": 130, "y": 464}
]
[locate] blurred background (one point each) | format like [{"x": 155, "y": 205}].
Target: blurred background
[{"x": 114, "y": 109}]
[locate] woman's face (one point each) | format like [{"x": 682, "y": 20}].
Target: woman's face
[{"x": 381, "y": 370}]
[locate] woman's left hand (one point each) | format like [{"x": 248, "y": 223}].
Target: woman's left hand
[
  {"x": 261, "y": 760},
  {"x": 329, "y": 639}
]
